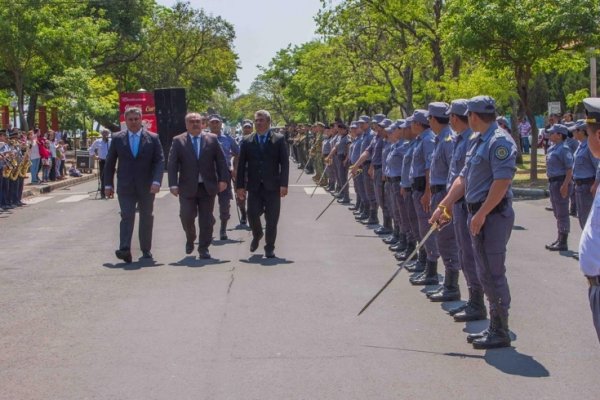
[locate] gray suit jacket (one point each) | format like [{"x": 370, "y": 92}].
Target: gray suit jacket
[
  {"x": 184, "y": 168},
  {"x": 135, "y": 174}
]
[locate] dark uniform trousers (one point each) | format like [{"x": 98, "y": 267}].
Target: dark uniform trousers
[
  {"x": 342, "y": 175},
  {"x": 446, "y": 238},
  {"x": 489, "y": 248},
  {"x": 379, "y": 192},
  {"x": 560, "y": 206},
  {"x": 267, "y": 202},
  {"x": 392, "y": 196},
  {"x": 423, "y": 218},
  {"x": 369, "y": 188},
  {"x": 225, "y": 198},
  {"x": 201, "y": 205},
  {"x": 411, "y": 214},
  {"x": 465, "y": 247},
  {"x": 584, "y": 199}
]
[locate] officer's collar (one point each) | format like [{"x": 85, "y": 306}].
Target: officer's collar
[{"x": 490, "y": 131}]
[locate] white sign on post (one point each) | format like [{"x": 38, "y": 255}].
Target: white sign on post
[{"x": 554, "y": 107}]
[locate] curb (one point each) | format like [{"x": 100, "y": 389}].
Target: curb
[
  {"x": 530, "y": 192},
  {"x": 37, "y": 190}
]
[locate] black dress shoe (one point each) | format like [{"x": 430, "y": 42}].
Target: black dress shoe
[
  {"x": 343, "y": 201},
  {"x": 147, "y": 255},
  {"x": 269, "y": 254},
  {"x": 124, "y": 255},
  {"x": 243, "y": 221},
  {"x": 203, "y": 254},
  {"x": 254, "y": 243},
  {"x": 189, "y": 247}
]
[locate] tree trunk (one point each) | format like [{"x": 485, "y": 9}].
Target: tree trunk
[
  {"x": 514, "y": 105},
  {"x": 407, "y": 82},
  {"x": 20, "y": 101},
  {"x": 31, "y": 110},
  {"x": 523, "y": 76}
]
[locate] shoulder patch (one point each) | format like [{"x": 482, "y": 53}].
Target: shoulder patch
[{"x": 501, "y": 152}]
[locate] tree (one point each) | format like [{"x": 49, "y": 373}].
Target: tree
[{"x": 524, "y": 36}]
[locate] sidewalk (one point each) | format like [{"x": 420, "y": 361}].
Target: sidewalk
[{"x": 34, "y": 190}]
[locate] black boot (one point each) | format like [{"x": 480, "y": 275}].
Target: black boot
[
  {"x": 403, "y": 255},
  {"x": 474, "y": 309},
  {"x": 561, "y": 244},
  {"x": 497, "y": 335},
  {"x": 359, "y": 210},
  {"x": 401, "y": 244},
  {"x": 450, "y": 291},
  {"x": 364, "y": 214},
  {"x": 223, "y": 230},
  {"x": 420, "y": 264},
  {"x": 393, "y": 238},
  {"x": 386, "y": 229},
  {"x": 356, "y": 206},
  {"x": 373, "y": 218},
  {"x": 429, "y": 277}
]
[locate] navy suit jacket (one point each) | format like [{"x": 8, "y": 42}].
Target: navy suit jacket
[
  {"x": 134, "y": 174},
  {"x": 268, "y": 166}
]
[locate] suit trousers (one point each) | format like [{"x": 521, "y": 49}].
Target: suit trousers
[
  {"x": 127, "y": 203},
  {"x": 267, "y": 202},
  {"x": 101, "y": 164},
  {"x": 225, "y": 198},
  {"x": 201, "y": 205}
]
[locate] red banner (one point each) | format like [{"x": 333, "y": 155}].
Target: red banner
[
  {"x": 42, "y": 118},
  {"x": 54, "y": 118},
  {"x": 142, "y": 100}
]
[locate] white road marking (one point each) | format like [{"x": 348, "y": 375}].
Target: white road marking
[
  {"x": 35, "y": 200},
  {"x": 74, "y": 199},
  {"x": 162, "y": 193}
]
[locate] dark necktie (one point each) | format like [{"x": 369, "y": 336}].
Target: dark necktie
[{"x": 195, "y": 142}]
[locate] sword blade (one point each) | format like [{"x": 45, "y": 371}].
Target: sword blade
[
  {"x": 401, "y": 267},
  {"x": 319, "y": 181},
  {"x": 332, "y": 200}
]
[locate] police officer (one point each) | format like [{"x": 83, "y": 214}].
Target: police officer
[
  {"x": 392, "y": 172},
  {"x": 589, "y": 245},
  {"x": 339, "y": 158},
  {"x": 419, "y": 174},
  {"x": 361, "y": 206},
  {"x": 573, "y": 144},
  {"x": 231, "y": 151},
  {"x": 364, "y": 162},
  {"x": 438, "y": 180},
  {"x": 405, "y": 235},
  {"x": 474, "y": 309},
  {"x": 247, "y": 127},
  {"x": 485, "y": 182},
  {"x": 559, "y": 169},
  {"x": 99, "y": 150},
  {"x": 586, "y": 174}
]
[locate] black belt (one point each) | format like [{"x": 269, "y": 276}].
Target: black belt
[
  {"x": 377, "y": 166},
  {"x": 474, "y": 207},
  {"x": 419, "y": 184},
  {"x": 584, "y": 181},
  {"x": 394, "y": 178},
  {"x": 366, "y": 163},
  {"x": 341, "y": 155},
  {"x": 557, "y": 178},
  {"x": 437, "y": 188},
  {"x": 593, "y": 280},
  {"x": 407, "y": 189}
]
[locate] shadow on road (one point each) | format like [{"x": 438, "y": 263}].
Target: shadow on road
[
  {"x": 224, "y": 242},
  {"x": 136, "y": 265},
  {"x": 194, "y": 262},
  {"x": 519, "y": 228},
  {"x": 260, "y": 259}
]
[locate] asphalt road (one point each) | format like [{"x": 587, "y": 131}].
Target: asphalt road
[{"x": 76, "y": 324}]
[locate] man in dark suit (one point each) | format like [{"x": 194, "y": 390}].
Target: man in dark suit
[
  {"x": 264, "y": 160},
  {"x": 141, "y": 166},
  {"x": 197, "y": 172}
]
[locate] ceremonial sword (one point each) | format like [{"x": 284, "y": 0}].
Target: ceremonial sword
[
  {"x": 358, "y": 172},
  {"x": 434, "y": 226},
  {"x": 319, "y": 181},
  {"x": 307, "y": 161}
]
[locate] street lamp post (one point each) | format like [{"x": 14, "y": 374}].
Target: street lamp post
[{"x": 13, "y": 104}]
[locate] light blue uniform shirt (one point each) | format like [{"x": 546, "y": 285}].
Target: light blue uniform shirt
[
  {"x": 442, "y": 157},
  {"x": 229, "y": 146},
  {"x": 585, "y": 165},
  {"x": 355, "y": 149},
  {"x": 342, "y": 145},
  {"x": 558, "y": 160},
  {"x": 422, "y": 153},
  {"x": 326, "y": 146},
  {"x": 408, "y": 147},
  {"x": 461, "y": 145},
  {"x": 589, "y": 244},
  {"x": 368, "y": 137},
  {"x": 394, "y": 159},
  {"x": 492, "y": 156}
]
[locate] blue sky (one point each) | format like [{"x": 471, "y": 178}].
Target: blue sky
[{"x": 262, "y": 28}]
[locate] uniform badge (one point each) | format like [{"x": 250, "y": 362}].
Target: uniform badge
[
  {"x": 501, "y": 153},
  {"x": 448, "y": 138}
]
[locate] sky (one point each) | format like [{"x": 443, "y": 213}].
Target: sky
[{"x": 262, "y": 28}]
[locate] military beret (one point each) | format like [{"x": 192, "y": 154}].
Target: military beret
[
  {"x": 421, "y": 116},
  {"x": 215, "y": 117},
  {"x": 364, "y": 118},
  {"x": 592, "y": 110},
  {"x": 558, "y": 128},
  {"x": 438, "y": 109},
  {"x": 458, "y": 107},
  {"x": 482, "y": 104},
  {"x": 377, "y": 118}
]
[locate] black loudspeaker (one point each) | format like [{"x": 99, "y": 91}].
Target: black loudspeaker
[{"x": 170, "y": 108}]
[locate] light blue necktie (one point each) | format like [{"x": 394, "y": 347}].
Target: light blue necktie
[
  {"x": 195, "y": 143},
  {"x": 134, "y": 144}
]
